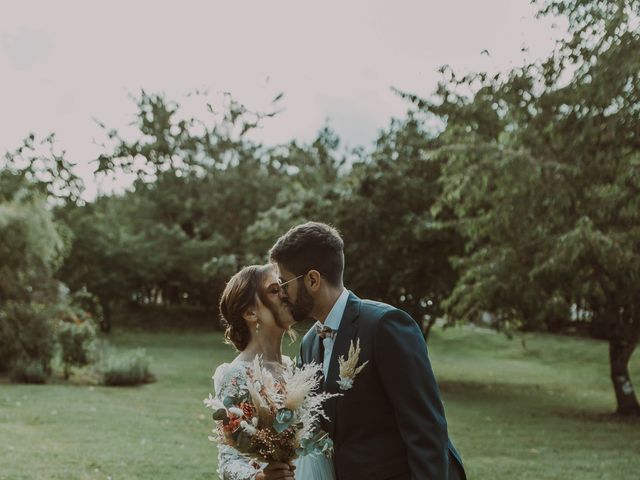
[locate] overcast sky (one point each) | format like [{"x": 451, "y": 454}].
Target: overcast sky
[{"x": 64, "y": 63}]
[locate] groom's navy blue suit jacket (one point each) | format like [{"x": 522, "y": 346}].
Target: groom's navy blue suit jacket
[{"x": 391, "y": 423}]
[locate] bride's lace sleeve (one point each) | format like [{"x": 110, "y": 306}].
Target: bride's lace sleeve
[{"x": 232, "y": 465}]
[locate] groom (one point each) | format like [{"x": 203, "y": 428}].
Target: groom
[{"x": 388, "y": 422}]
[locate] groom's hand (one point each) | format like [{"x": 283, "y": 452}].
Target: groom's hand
[{"x": 277, "y": 471}]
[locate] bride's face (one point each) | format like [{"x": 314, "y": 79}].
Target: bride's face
[{"x": 273, "y": 312}]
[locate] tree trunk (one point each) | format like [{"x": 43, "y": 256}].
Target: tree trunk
[
  {"x": 426, "y": 330},
  {"x": 620, "y": 350}
]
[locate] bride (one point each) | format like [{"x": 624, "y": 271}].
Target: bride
[{"x": 256, "y": 319}]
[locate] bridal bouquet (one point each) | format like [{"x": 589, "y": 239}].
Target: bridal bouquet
[{"x": 273, "y": 420}]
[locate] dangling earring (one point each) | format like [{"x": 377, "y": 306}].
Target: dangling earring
[{"x": 258, "y": 327}]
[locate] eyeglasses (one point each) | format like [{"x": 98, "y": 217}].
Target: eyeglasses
[{"x": 285, "y": 285}]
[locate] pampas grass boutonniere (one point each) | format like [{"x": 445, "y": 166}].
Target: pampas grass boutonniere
[{"x": 348, "y": 369}]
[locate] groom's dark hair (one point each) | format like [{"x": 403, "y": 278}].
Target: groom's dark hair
[{"x": 311, "y": 246}]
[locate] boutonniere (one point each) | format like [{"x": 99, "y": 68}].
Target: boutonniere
[{"x": 348, "y": 369}]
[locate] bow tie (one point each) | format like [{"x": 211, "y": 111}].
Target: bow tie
[{"x": 325, "y": 332}]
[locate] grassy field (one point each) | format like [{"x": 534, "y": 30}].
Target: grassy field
[{"x": 537, "y": 413}]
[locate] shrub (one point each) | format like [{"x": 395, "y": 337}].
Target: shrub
[
  {"x": 130, "y": 368},
  {"x": 77, "y": 343},
  {"x": 28, "y": 372},
  {"x": 87, "y": 303},
  {"x": 25, "y": 336},
  {"x": 32, "y": 247},
  {"x": 87, "y": 375}
]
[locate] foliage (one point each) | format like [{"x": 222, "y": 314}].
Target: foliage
[
  {"x": 32, "y": 247},
  {"x": 39, "y": 168},
  {"x": 28, "y": 372},
  {"x": 104, "y": 258},
  {"x": 188, "y": 225},
  {"x": 543, "y": 172},
  {"x": 398, "y": 245},
  {"x": 77, "y": 342},
  {"x": 87, "y": 305},
  {"x": 180, "y": 233},
  {"x": 26, "y": 339},
  {"x": 125, "y": 369},
  {"x": 383, "y": 208},
  {"x": 312, "y": 189}
]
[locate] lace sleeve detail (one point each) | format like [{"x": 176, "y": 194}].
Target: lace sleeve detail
[
  {"x": 232, "y": 465},
  {"x": 231, "y": 380}
]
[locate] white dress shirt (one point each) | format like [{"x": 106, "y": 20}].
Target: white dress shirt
[{"x": 333, "y": 321}]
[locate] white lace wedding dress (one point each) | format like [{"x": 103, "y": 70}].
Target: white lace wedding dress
[{"x": 233, "y": 465}]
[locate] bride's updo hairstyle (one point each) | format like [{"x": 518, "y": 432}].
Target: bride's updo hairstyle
[{"x": 238, "y": 296}]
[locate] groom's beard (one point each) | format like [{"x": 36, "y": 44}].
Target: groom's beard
[{"x": 301, "y": 310}]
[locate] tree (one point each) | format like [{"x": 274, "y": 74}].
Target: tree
[
  {"x": 311, "y": 187},
  {"x": 397, "y": 245},
  {"x": 543, "y": 171},
  {"x": 179, "y": 233},
  {"x": 32, "y": 248},
  {"x": 38, "y": 167},
  {"x": 104, "y": 256},
  {"x": 397, "y": 250}
]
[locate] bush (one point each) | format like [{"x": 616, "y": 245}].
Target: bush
[
  {"x": 77, "y": 343},
  {"x": 131, "y": 368},
  {"x": 76, "y": 315},
  {"x": 28, "y": 372},
  {"x": 88, "y": 304},
  {"x": 32, "y": 247},
  {"x": 26, "y": 337}
]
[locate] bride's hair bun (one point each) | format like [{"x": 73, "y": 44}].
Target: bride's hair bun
[{"x": 238, "y": 296}]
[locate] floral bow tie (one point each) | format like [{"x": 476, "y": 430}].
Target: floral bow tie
[{"x": 325, "y": 332}]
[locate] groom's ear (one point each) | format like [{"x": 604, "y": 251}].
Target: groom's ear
[{"x": 313, "y": 280}]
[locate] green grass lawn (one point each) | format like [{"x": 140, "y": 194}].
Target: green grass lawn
[{"x": 537, "y": 413}]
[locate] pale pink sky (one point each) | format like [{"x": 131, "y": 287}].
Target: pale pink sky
[{"x": 63, "y": 63}]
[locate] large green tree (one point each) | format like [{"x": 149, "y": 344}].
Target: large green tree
[
  {"x": 397, "y": 246},
  {"x": 179, "y": 233},
  {"x": 105, "y": 255},
  {"x": 32, "y": 247},
  {"x": 543, "y": 171}
]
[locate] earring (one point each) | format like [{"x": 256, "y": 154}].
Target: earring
[{"x": 258, "y": 327}]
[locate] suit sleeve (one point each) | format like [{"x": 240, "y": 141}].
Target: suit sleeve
[{"x": 403, "y": 363}]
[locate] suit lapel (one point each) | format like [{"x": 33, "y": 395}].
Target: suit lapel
[
  {"x": 347, "y": 332},
  {"x": 315, "y": 350}
]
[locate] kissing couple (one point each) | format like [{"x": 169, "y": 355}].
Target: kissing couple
[{"x": 382, "y": 411}]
